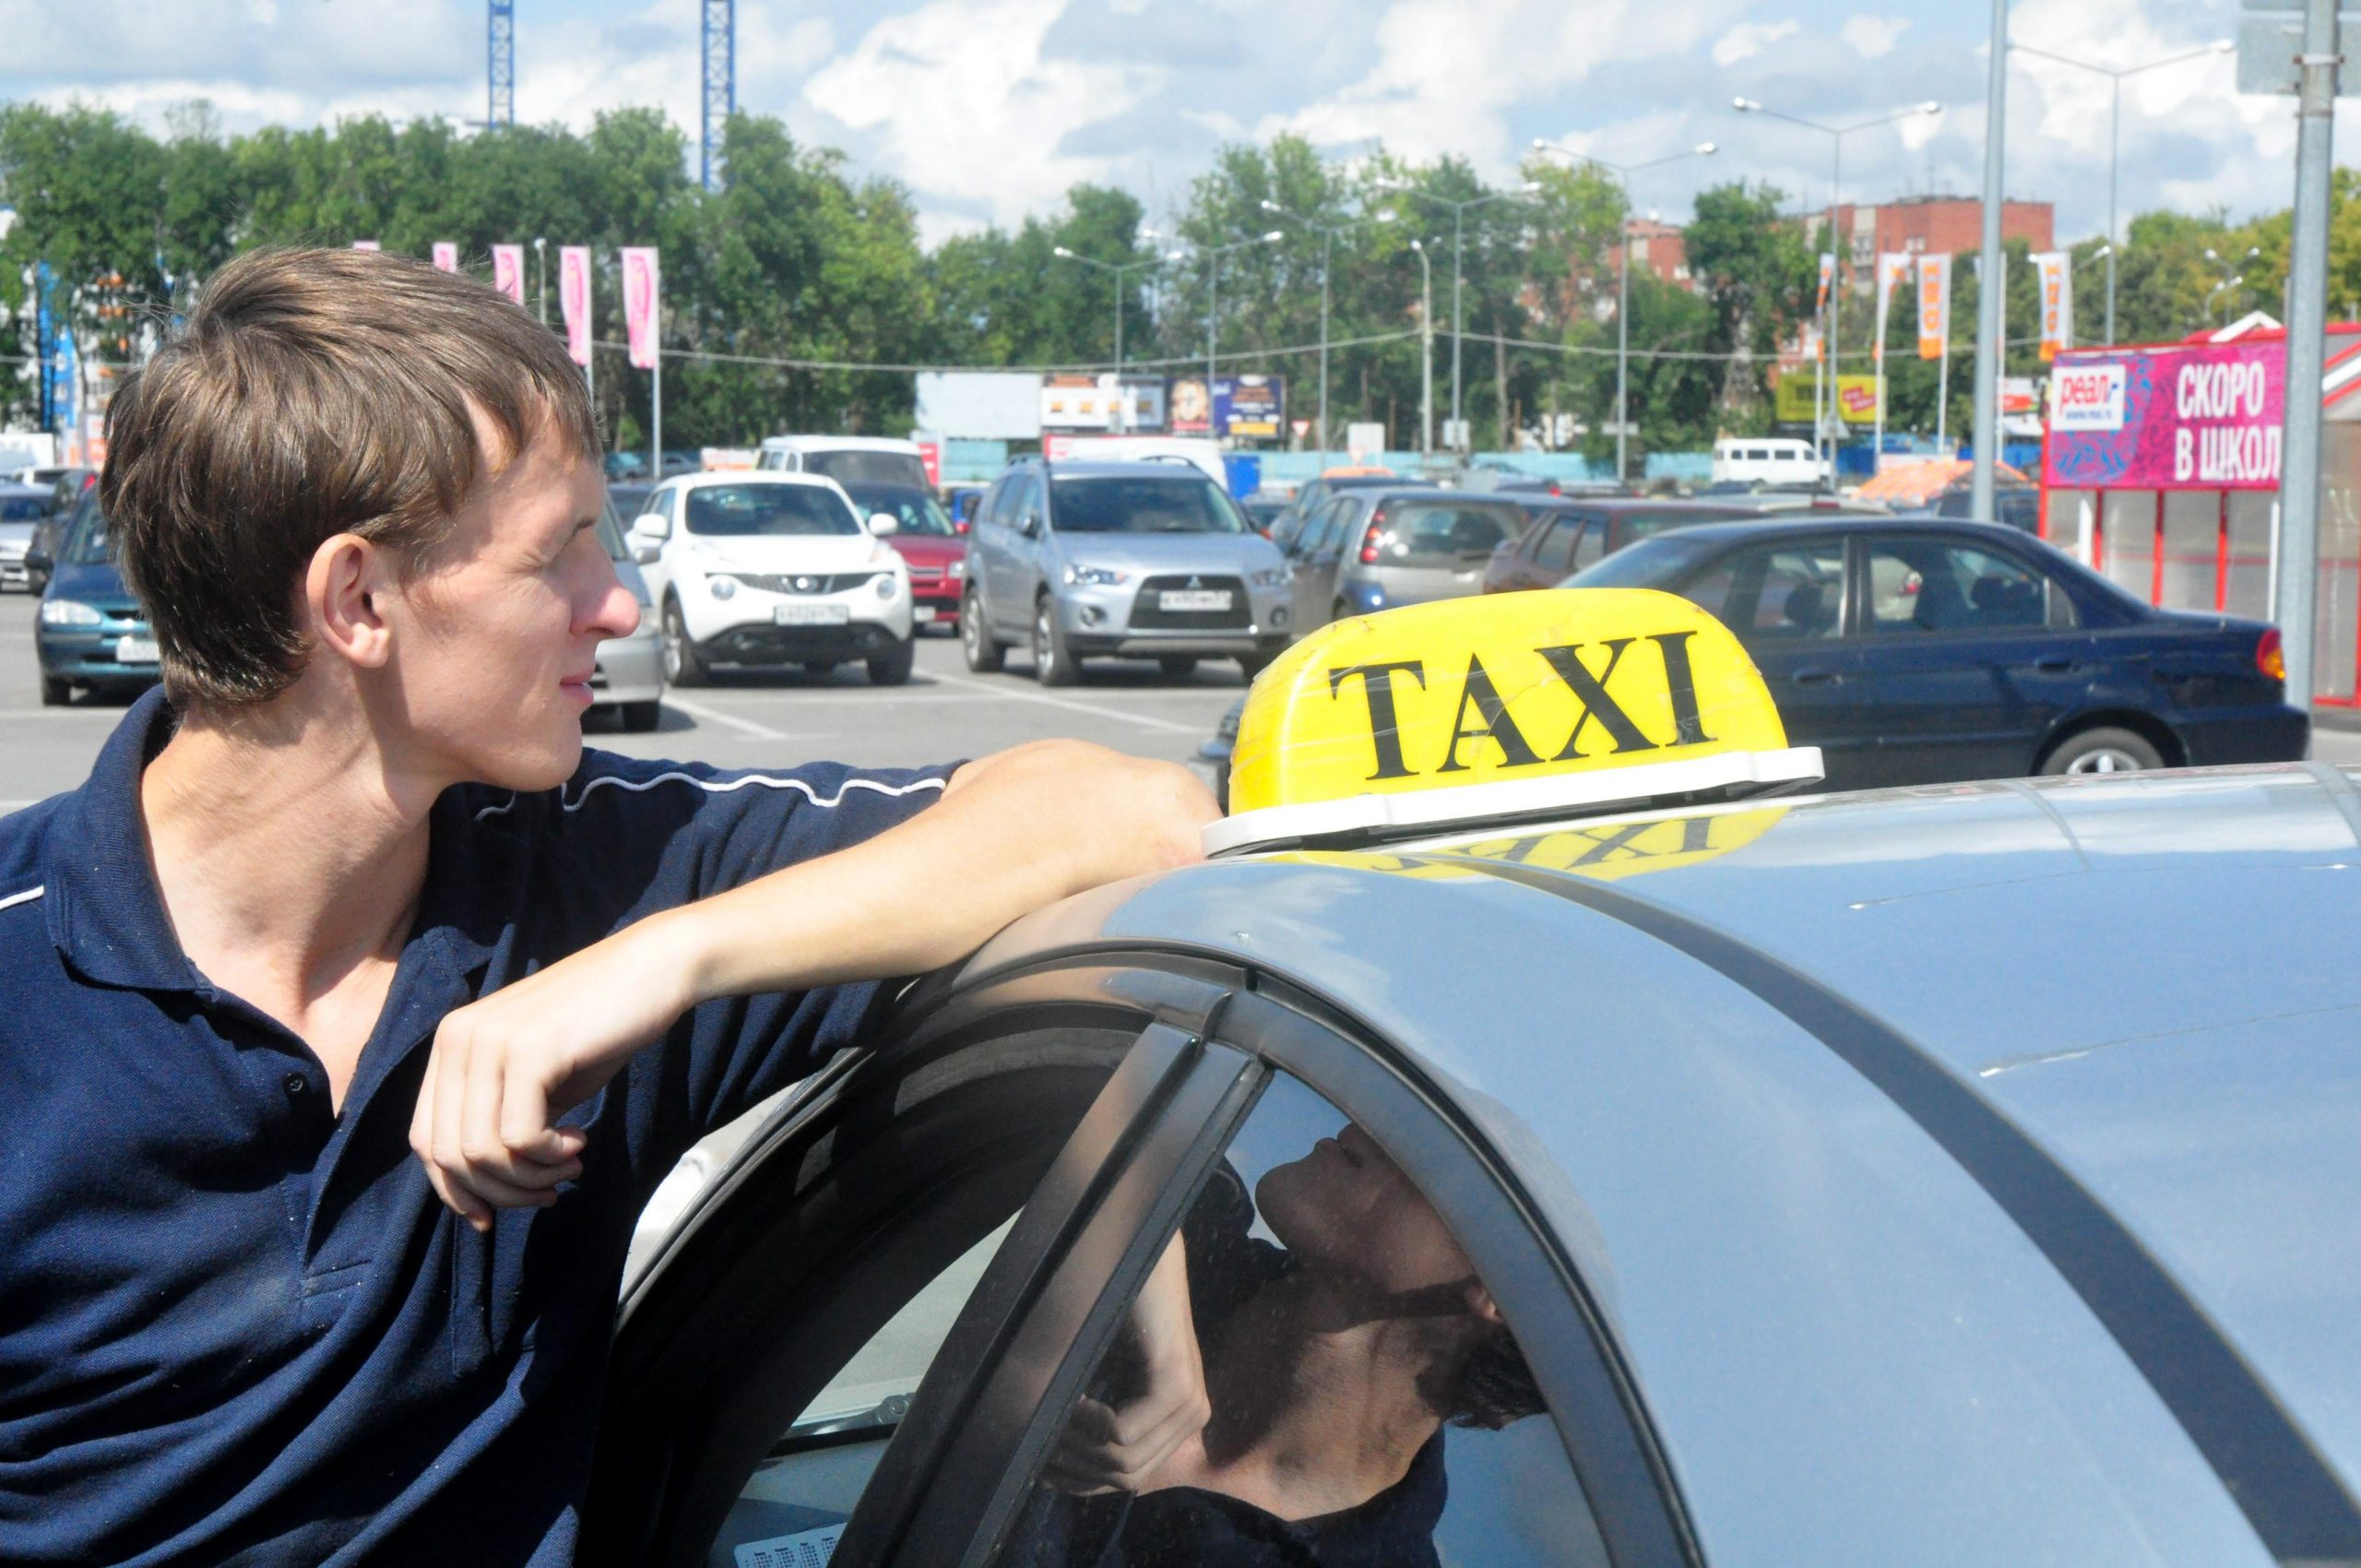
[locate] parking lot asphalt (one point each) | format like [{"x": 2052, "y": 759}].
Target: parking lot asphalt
[
  {"x": 749, "y": 720},
  {"x": 778, "y": 720}
]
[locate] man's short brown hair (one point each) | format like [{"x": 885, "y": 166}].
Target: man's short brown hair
[{"x": 312, "y": 393}]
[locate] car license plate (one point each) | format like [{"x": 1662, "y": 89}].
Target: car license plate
[
  {"x": 921, "y": 611},
  {"x": 1194, "y": 598},
  {"x": 136, "y": 651},
  {"x": 809, "y": 614}
]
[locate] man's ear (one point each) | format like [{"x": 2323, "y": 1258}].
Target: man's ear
[
  {"x": 1481, "y": 1305},
  {"x": 342, "y": 590}
]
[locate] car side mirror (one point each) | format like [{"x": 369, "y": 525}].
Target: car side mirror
[
  {"x": 38, "y": 561},
  {"x": 884, "y": 523},
  {"x": 1029, "y": 526},
  {"x": 652, "y": 525},
  {"x": 646, "y": 554}
]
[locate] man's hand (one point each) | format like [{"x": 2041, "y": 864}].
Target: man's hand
[
  {"x": 1117, "y": 1446},
  {"x": 1027, "y": 827},
  {"x": 504, "y": 1069}
]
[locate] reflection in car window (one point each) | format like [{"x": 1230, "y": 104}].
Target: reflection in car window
[
  {"x": 898, "y": 469},
  {"x": 1775, "y": 591},
  {"x": 93, "y": 541},
  {"x": 1438, "y": 533},
  {"x": 1368, "y": 1403},
  {"x": 1926, "y": 586},
  {"x": 1180, "y": 504},
  {"x": 769, "y": 509},
  {"x": 1649, "y": 563},
  {"x": 914, "y": 511}
]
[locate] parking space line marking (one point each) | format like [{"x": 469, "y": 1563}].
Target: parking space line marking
[
  {"x": 1091, "y": 709},
  {"x": 716, "y": 716}
]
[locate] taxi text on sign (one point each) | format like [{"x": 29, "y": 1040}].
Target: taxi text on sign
[
  {"x": 2205, "y": 417},
  {"x": 1505, "y": 704}
]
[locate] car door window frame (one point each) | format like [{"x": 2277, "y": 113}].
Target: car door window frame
[{"x": 2054, "y": 591}]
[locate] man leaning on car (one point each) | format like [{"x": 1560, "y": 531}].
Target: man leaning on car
[{"x": 350, "y": 1010}]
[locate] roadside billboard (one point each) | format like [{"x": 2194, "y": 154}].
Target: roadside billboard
[
  {"x": 2203, "y": 416},
  {"x": 1795, "y": 399},
  {"x": 980, "y": 405},
  {"x": 1186, "y": 407},
  {"x": 1252, "y": 407},
  {"x": 1101, "y": 403}
]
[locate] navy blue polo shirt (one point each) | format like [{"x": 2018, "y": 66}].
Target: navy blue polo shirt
[{"x": 237, "y": 1327}]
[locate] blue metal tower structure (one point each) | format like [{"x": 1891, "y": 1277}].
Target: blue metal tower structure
[
  {"x": 500, "y": 44},
  {"x": 720, "y": 81}
]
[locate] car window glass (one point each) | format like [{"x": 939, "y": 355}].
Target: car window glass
[
  {"x": 738, "y": 510},
  {"x": 904, "y": 469},
  {"x": 1024, "y": 502},
  {"x": 1923, "y": 585},
  {"x": 1181, "y": 503},
  {"x": 1553, "y": 556},
  {"x": 611, "y": 532},
  {"x": 1432, "y": 533},
  {"x": 1775, "y": 591},
  {"x": 913, "y": 511},
  {"x": 1591, "y": 545},
  {"x": 1335, "y": 522},
  {"x": 1369, "y": 1402},
  {"x": 92, "y": 543}
]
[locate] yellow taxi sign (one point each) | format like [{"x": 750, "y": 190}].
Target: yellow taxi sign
[{"x": 1505, "y": 705}]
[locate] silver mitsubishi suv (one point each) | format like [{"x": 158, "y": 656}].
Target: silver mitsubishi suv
[{"x": 1145, "y": 560}]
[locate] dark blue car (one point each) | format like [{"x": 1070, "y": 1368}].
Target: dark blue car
[
  {"x": 92, "y": 632},
  {"x": 1925, "y": 651}
]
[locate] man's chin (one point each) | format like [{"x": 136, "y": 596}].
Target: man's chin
[{"x": 530, "y": 771}]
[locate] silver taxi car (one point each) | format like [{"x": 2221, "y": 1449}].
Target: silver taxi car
[{"x": 1949, "y": 1175}]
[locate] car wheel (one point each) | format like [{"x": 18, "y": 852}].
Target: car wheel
[
  {"x": 984, "y": 654},
  {"x": 1253, "y": 664},
  {"x": 1178, "y": 666},
  {"x": 55, "y": 692},
  {"x": 2103, "y": 750},
  {"x": 681, "y": 665},
  {"x": 639, "y": 716},
  {"x": 1052, "y": 661},
  {"x": 893, "y": 669}
]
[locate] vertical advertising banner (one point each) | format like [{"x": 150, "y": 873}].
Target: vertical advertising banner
[
  {"x": 1827, "y": 276},
  {"x": 2057, "y": 302},
  {"x": 446, "y": 255},
  {"x": 1190, "y": 407},
  {"x": 508, "y": 271},
  {"x": 1893, "y": 270},
  {"x": 367, "y": 245},
  {"x": 642, "y": 300},
  {"x": 573, "y": 298},
  {"x": 1934, "y": 307}
]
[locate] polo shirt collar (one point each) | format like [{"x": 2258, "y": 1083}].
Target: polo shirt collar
[{"x": 106, "y": 915}]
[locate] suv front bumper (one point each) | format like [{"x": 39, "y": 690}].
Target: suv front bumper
[{"x": 1124, "y": 620}]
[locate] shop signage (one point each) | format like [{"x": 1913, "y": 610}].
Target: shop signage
[{"x": 2206, "y": 417}]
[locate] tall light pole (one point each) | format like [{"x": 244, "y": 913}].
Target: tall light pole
[
  {"x": 1118, "y": 270},
  {"x": 1426, "y": 351},
  {"x": 1623, "y": 173},
  {"x": 1212, "y": 254},
  {"x": 2115, "y": 135},
  {"x": 1328, "y": 232},
  {"x": 1458, "y": 238},
  {"x": 1838, "y": 246},
  {"x": 541, "y": 262},
  {"x": 1991, "y": 289},
  {"x": 2228, "y": 282}
]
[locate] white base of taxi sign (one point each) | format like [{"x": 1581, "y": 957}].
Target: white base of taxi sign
[
  {"x": 1730, "y": 776},
  {"x": 1467, "y": 710}
]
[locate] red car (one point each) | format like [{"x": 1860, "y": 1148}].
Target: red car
[{"x": 930, "y": 546}]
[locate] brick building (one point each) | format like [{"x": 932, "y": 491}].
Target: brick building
[
  {"x": 1934, "y": 224},
  {"x": 1661, "y": 248}
]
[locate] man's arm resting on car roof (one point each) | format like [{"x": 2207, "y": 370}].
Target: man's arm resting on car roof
[{"x": 1027, "y": 827}]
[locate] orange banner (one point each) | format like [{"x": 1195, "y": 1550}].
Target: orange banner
[
  {"x": 2057, "y": 302},
  {"x": 1934, "y": 306}
]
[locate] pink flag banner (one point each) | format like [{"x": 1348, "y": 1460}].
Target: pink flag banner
[
  {"x": 508, "y": 271},
  {"x": 573, "y": 298},
  {"x": 643, "y": 285},
  {"x": 446, "y": 255},
  {"x": 367, "y": 245}
]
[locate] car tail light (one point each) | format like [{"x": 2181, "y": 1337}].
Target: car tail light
[
  {"x": 2268, "y": 656},
  {"x": 1369, "y": 536}
]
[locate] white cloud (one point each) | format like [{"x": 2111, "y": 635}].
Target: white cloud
[
  {"x": 1747, "y": 40},
  {"x": 1872, "y": 37}
]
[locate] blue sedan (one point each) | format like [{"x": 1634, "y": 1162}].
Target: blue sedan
[
  {"x": 1919, "y": 651},
  {"x": 1871, "y": 1179},
  {"x": 91, "y": 632}
]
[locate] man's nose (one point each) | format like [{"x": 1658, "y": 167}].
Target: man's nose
[{"x": 617, "y": 614}]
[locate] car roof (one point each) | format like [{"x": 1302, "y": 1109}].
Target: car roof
[
  {"x": 1433, "y": 493},
  {"x": 838, "y": 444},
  {"x": 1641, "y": 503},
  {"x": 1127, "y": 467},
  {"x": 704, "y": 477},
  {"x": 2139, "y": 987},
  {"x": 1780, "y": 524}
]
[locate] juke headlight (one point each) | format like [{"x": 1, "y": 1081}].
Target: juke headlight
[
  {"x": 1095, "y": 576},
  {"x": 721, "y": 584}
]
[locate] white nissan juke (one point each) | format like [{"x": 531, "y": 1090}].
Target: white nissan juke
[{"x": 771, "y": 569}]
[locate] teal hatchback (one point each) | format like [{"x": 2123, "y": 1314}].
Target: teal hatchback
[{"x": 91, "y": 632}]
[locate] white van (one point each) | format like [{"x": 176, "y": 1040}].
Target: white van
[
  {"x": 1769, "y": 461},
  {"x": 858, "y": 459}
]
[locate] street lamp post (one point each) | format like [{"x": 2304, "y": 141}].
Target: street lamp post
[
  {"x": 1328, "y": 232},
  {"x": 2228, "y": 281},
  {"x": 1426, "y": 351},
  {"x": 1623, "y": 173},
  {"x": 1118, "y": 270},
  {"x": 1838, "y": 246},
  {"x": 1458, "y": 237},
  {"x": 2115, "y": 137},
  {"x": 1212, "y": 254}
]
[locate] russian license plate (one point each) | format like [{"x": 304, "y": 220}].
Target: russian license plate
[
  {"x": 136, "y": 651},
  {"x": 1194, "y": 598},
  {"x": 809, "y": 614},
  {"x": 921, "y": 611}
]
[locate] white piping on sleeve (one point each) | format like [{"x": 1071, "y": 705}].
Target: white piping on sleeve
[
  {"x": 724, "y": 786},
  {"x": 27, "y": 897}
]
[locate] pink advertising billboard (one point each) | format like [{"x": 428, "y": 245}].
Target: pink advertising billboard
[{"x": 2205, "y": 417}]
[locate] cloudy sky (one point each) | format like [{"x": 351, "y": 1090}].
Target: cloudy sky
[{"x": 989, "y": 108}]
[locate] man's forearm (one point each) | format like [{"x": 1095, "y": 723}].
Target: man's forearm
[{"x": 1023, "y": 827}]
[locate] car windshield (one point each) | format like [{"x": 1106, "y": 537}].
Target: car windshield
[
  {"x": 23, "y": 508},
  {"x": 1648, "y": 563},
  {"x": 741, "y": 509},
  {"x": 914, "y": 511},
  {"x": 1179, "y": 505},
  {"x": 1643, "y": 525},
  {"x": 611, "y": 532},
  {"x": 91, "y": 542},
  {"x": 857, "y": 467},
  {"x": 1432, "y": 532}
]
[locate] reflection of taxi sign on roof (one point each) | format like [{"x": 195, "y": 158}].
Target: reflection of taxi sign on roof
[{"x": 1509, "y": 706}]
